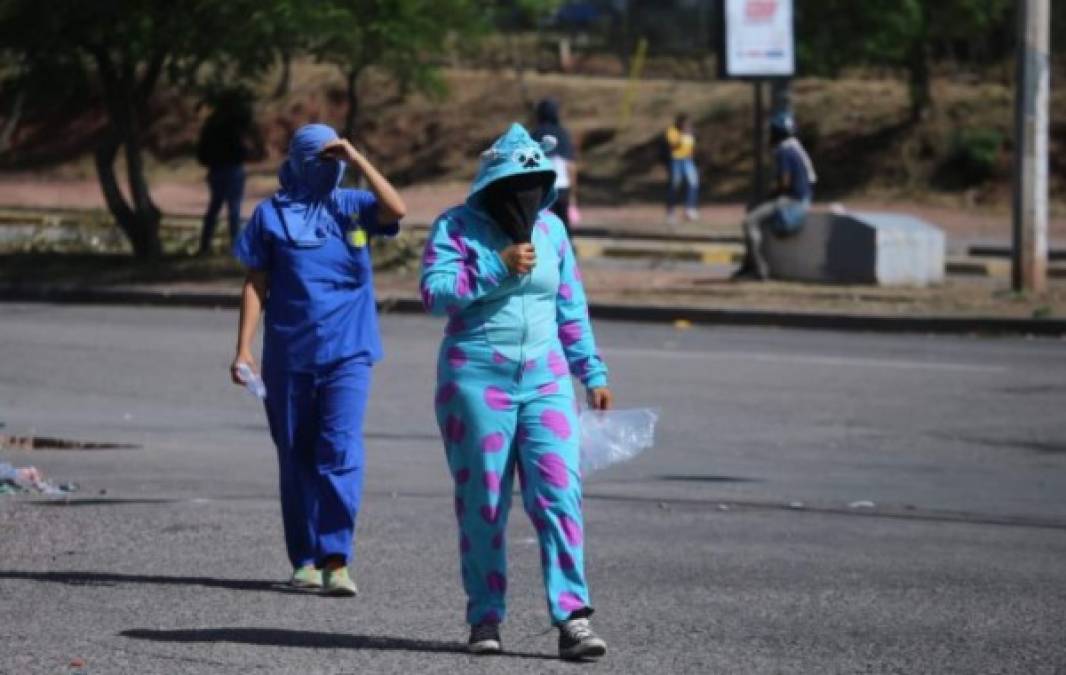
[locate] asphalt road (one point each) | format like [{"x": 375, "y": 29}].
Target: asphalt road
[{"x": 743, "y": 542}]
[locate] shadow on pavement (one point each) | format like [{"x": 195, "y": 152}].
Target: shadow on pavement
[
  {"x": 282, "y": 637},
  {"x": 110, "y": 579}
]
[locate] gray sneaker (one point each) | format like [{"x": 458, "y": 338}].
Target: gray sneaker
[
  {"x": 577, "y": 641},
  {"x": 484, "y": 639}
]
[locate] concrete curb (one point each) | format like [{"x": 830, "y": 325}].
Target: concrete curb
[{"x": 949, "y": 325}]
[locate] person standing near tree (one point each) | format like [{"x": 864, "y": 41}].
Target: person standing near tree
[
  {"x": 563, "y": 160},
  {"x": 227, "y": 140},
  {"x": 681, "y": 144},
  {"x": 306, "y": 250}
]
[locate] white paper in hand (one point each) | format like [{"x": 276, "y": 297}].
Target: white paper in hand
[{"x": 612, "y": 436}]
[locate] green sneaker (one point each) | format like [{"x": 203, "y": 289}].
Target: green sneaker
[
  {"x": 337, "y": 583},
  {"x": 306, "y": 577}
]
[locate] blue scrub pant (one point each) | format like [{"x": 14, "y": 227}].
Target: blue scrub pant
[
  {"x": 316, "y": 420},
  {"x": 499, "y": 417},
  {"x": 226, "y": 186}
]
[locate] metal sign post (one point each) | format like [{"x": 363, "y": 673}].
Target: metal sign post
[{"x": 756, "y": 44}]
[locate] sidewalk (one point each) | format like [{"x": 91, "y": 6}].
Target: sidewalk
[{"x": 635, "y": 269}]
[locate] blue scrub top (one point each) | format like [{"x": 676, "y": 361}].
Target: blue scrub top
[{"x": 320, "y": 306}]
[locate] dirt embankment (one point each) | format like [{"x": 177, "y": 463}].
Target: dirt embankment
[{"x": 856, "y": 129}]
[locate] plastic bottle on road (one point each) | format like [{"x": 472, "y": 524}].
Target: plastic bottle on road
[{"x": 252, "y": 381}]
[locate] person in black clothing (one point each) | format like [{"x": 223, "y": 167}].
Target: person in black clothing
[
  {"x": 562, "y": 159},
  {"x": 227, "y": 139}
]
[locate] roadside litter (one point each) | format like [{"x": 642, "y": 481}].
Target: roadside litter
[{"x": 15, "y": 480}]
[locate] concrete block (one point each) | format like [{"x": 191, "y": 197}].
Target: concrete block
[{"x": 886, "y": 249}]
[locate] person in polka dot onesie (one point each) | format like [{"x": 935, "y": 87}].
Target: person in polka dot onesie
[{"x": 501, "y": 268}]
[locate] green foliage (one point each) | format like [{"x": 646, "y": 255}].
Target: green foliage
[
  {"x": 835, "y": 34},
  {"x": 972, "y": 158}
]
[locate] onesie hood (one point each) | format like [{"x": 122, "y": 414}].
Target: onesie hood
[{"x": 514, "y": 153}]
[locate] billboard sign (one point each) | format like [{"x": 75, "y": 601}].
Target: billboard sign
[{"x": 758, "y": 39}]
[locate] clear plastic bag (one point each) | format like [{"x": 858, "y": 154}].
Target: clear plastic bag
[{"x": 612, "y": 436}]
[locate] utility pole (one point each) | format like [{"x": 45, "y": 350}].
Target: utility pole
[{"x": 1032, "y": 92}]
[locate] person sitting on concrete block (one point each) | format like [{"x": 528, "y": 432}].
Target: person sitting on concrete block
[{"x": 784, "y": 213}]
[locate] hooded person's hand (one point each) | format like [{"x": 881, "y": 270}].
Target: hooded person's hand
[
  {"x": 339, "y": 148},
  {"x": 599, "y": 398},
  {"x": 519, "y": 258}
]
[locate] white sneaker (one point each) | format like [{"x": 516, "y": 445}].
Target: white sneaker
[
  {"x": 692, "y": 214},
  {"x": 577, "y": 641},
  {"x": 484, "y": 639}
]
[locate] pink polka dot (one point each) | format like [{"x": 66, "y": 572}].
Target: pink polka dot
[
  {"x": 529, "y": 365},
  {"x": 581, "y": 368},
  {"x": 543, "y": 503},
  {"x": 427, "y": 299},
  {"x": 496, "y": 582},
  {"x": 538, "y": 522},
  {"x": 566, "y": 561},
  {"x": 454, "y": 429},
  {"x": 459, "y": 243},
  {"x": 492, "y": 481},
  {"x": 571, "y": 530},
  {"x": 542, "y": 226},
  {"x": 462, "y": 283},
  {"x": 555, "y": 421},
  {"x": 569, "y": 333},
  {"x": 565, "y": 292},
  {"x": 498, "y": 358},
  {"x": 464, "y": 543},
  {"x": 456, "y": 357},
  {"x": 550, "y": 388},
  {"x": 553, "y": 470},
  {"x": 557, "y": 364},
  {"x": 497, "y": 399},
  {"x": 577, "y": 272},
  {"x": 497, "y": 540},
  {"x": 455, "y": 326},
  {"x": 462, "y": 475},
  {"x": 493, "y": 442},
  {"x": 446, "y": 392},
  {"x": 489, "y": 514},
  {"x": 570, "y": 602}
]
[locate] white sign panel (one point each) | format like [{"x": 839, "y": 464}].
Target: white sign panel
[{"x": 759, "y": 38}]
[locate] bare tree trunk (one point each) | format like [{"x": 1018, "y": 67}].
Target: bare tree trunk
[
  {"x": 921, "y": 96},
  {"x": 285, "y": 81},
  {"x": 351, "y": 116},
  {"x": 13, "y": 119},
  {"x": 125, "y": 100}
]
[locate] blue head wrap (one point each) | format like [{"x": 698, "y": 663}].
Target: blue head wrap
[
  {"x": 307, "y": 182},
  {"x": 784, "y": 123}
]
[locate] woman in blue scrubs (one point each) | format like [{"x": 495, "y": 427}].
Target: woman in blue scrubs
[{"x": 309, "y": 268}]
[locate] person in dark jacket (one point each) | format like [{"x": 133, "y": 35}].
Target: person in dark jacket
[
  {"x": 227, "y": 140},
  {"x": 562, "y": 158}
]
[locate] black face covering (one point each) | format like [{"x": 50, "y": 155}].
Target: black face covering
[{"x": 514, "y": 201}]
